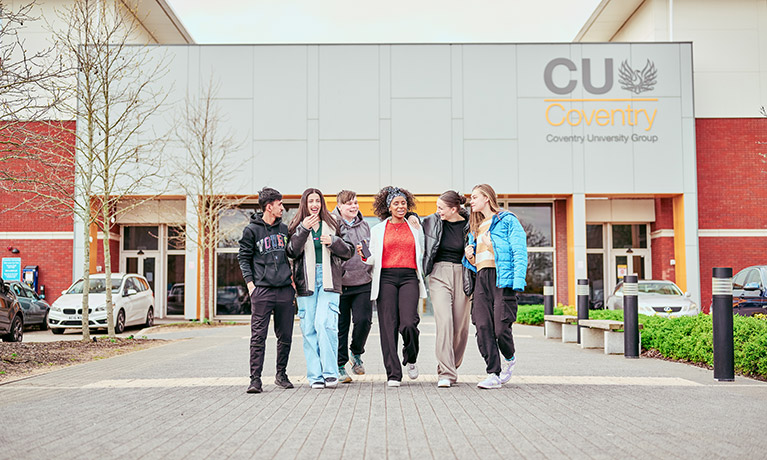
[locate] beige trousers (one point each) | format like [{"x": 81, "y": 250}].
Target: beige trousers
[{"x": 451, "y": 315}]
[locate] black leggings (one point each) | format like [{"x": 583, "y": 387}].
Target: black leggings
[
  {"x": 493, "y": 312},
  {"x": 356, "y": 307},
  {"x": 398, "y": 313}
]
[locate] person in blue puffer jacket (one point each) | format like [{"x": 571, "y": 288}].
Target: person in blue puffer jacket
[{"x": 497, "y": 253}]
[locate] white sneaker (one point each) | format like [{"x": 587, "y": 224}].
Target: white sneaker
[
  {"x": 393, "y": 383},
  {"x": 443, "y": 383},
  {"x": 490, "y": 383},
  {"x": 506, "y": 369},
  {"x": 412, "y": 371},
  {"x": 318, "y": 385}
]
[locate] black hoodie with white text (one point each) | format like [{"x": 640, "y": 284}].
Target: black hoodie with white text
[{"x": 262, "y": 253}]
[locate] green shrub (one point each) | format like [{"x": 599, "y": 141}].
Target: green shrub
[{"x": 533, "y": 314}]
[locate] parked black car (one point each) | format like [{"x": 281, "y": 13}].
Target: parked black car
[
  {"x": 34, "y": 308},
  {"x": 749, "y": 295},
  {"x": 11, "y": 317}
]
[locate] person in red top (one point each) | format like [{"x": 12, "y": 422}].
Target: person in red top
[{"x": 396, "y": 252}]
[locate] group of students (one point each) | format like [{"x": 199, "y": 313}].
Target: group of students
[{"x": 475, "y": 263}]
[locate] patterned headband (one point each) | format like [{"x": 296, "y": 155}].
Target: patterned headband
[{"x": 394, "y": 192}]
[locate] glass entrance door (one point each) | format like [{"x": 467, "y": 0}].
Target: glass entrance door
[
  {"x": 630, "y": 264},
  {"x": 142, "y": 265}
]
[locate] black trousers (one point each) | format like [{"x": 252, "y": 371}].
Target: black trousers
[
  {"x": 263, "y": 302},
  {"x": 355, "y": 307},
  {"x": 493, "y": 312},
  {"x": 398, "y": 312}
]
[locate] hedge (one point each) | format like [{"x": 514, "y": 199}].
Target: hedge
[{"x": 688, "y": 338}]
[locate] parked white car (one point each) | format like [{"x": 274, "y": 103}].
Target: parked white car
[
  {"x": 132, "y": 298},
  {"x": 657, "y": 298}
]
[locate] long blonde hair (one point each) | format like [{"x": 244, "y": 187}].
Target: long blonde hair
[{"x": 476, "y": 218}]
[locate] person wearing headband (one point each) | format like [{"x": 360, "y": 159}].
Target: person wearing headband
[{"x": 396, "y": 254}]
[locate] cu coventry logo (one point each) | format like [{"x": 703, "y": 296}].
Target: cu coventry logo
[{"x": 635, "y": 80}]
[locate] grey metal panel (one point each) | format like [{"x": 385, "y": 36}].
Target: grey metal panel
[
  {"x": 420, "y": 71},
  {"x": 384, "y": 173},
  {"x": 313, "y": 155},
  {"x": 666, "y": 60},
  {"x": 384, "y": 81},
  {"x": 456, "y": 69},
  {"x": 313, "y": 72},
  {"x": 348, "y": 165},
  {"x": 280, "y": 92},
  {"x": 237, "y": 119},
  {"x": 420, "y": 140},
  {"x": 491, "y": 162},
  {"x": 489, "y": 92},
  {"x": 689, "y": 156},
  {"x": 349, "y": 92},
  {"x": 659, "y": 168},
  {"x": 685, "y": 82},
  {"x": 545, "y": 167},
  {"x": 280, "y": 164},
  {"x": 531, "y": 61},
  {"x": 232, "y": 66},
  {"x": 458, "y": 178}
]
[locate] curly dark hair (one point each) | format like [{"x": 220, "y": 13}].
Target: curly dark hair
[{"x": 381, "y": 208}]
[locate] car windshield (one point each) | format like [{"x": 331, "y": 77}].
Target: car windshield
[
  {"x": 659, "y": 288},
  {"x": 95, "y": 285}
]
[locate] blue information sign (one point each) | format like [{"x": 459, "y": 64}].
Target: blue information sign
[{"x": 11, "y": 268}]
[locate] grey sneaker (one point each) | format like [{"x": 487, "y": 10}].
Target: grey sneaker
[
  {"x": 343, "y": 377},
  {"x": 507, "y": 369},
  {"x": 412, "y": 371},
  {"x": 357, "y": 366},
  {"x": 331, "y": 382},
  {"x": 490, "y": 383}
]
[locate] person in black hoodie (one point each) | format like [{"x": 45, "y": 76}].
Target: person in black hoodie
[{"x": 268, "y": 276}]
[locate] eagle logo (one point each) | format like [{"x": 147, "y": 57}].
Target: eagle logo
[{"x": 635, "y": 80}]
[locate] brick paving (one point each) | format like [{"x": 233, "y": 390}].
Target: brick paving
[{"x": 187, "y": 399}]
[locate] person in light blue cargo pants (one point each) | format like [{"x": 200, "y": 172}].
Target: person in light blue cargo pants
[{"x": 319, "y": 325}]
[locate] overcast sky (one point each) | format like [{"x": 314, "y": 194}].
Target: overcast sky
[{"x": 391, "y": 21}]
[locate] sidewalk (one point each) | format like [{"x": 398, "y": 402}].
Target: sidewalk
[{"x": 187, "y": 399}]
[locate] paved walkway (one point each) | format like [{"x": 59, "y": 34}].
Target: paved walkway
[{"x": 187, "y": 399}]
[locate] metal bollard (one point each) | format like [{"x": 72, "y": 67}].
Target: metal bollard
[
  {"x": 630, "y": 316},
  {"x": 582, "y": 293},
  {"x": 724, "y": 355},
  {"x": 548, "y": 301}
]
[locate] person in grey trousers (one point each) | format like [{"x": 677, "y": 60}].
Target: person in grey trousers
[{"x": 355, "y": 306}]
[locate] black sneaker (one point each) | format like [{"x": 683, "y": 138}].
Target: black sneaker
[
  {"x": 255, "y": 386},
  {"x": 281, "y": 380}
]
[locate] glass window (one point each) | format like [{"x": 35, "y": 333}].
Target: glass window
[
  {"x": 135, "y": 238},
  {"x": 753, "y": 277},
  {"x": 630, "y": 236},
  {"x": 594, "y": 236},
  {"x": 234, "y": 221},
  {"x": 540, "y": 268},
  {"x": 231, "y": 292},
  {"x": 595, "y": 268},
  {"x": 739, "y": 280},
  {"x": 95, "y": 286},
  {"x": 536, "y": 220},
  {"x": 175, "y": 277},
  {"x": 176, "y": 238}
]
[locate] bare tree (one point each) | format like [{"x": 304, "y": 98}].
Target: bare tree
[
  {"x": 115, "y": 101},
  {"x": 204, "y": 175}
]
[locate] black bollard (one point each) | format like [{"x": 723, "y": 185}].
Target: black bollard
[
  {"x": 724, "y": 355},
  {"x": 630, "y": 317},
  {"x": 548, "y": 298},
  {"x": 582, "y": 293},
  {"x": 548, "y": 301}
]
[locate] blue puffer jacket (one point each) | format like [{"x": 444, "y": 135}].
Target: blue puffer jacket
[{"x": 510, "y": 248}]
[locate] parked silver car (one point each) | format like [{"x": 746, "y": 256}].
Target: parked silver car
[{"x": 657, "y": 298}]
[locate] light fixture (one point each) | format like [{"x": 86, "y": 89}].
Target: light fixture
[
  {"x": 13, "y": 250},
  {"x": 629, "y": 251},
  {"x": 140, "y": 252}
]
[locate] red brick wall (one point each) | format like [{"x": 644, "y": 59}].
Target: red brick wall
[
  {"x": 53, "y": 257},
  {"x": 732, "y": 191},
  {"x": 49, "y": 155},
  {"x": 114, "y": 252},
  {"x": 732, "y": 175},
  {"x": 664, "y": 214},
  {"x": 663, "y": 247},
  {"x": 560, "y": 222}
]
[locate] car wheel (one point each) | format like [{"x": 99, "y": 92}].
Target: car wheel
[
  {"x": 44, "y": 324},
  {"x": 16, "y": 333},
  {"x": 149, "y": 317},
  {"x": 120, "y": 325},
  {"x": 57, "y": 330}
]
